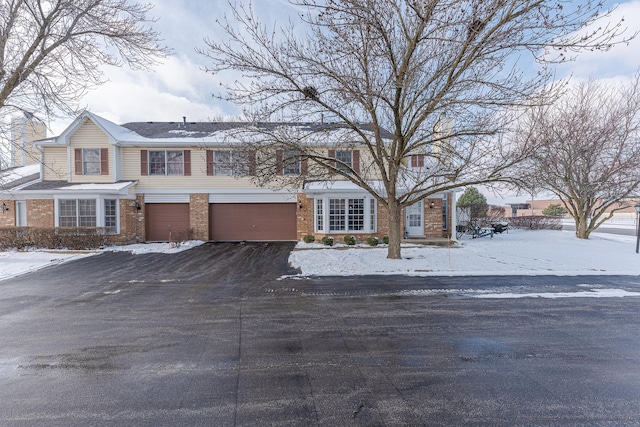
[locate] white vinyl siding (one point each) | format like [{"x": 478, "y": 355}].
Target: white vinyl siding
[{"x": 88, "y": 137}]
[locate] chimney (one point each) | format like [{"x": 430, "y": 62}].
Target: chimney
[{"x": 184, "y": 121}]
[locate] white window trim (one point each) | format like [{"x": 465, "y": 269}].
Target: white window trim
[
  {"x": 166, "y": 163},
  {"x": 84, "y": 170},
  {"x": 368, "y": 200},
  {"x": 100, "y": 209}
]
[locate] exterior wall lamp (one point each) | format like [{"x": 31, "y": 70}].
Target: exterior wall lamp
[
  {"x": 4, "y": 207},
  {"x": 300, "y": 205},
  {"x": 137, "y": 206},
  {"x": 432, "y": 205},
  {"x": 637, "y": 206}
]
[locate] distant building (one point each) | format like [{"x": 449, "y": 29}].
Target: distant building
[{"x": 25, "y": 130}]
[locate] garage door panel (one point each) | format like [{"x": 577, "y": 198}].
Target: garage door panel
[
  {"x": 166, "y": 221},
  {"x": 252, "y": 221}
]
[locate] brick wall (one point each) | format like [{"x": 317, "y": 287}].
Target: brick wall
[
  {"x": 131, "y": 221},
  {"x": 8, "y": 217},
  {"x": 40, "y": 214},
  {"x": 433, "y": 218},
  {"x": 199, "y": 216},
  {"x": 432, "y": 221},
  {"x": 304, "y": 216}
]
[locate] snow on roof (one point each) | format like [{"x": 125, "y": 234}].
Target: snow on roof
[
  {"x": 13, "y": 176},
  {"x": 116, "y": 186}
]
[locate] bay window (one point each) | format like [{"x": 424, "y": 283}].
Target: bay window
[
  {"x": 88, "y": 213},
  {"x": 345, "y": 214}
]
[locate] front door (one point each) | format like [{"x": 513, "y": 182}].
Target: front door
[{"x": 413, "y": 220}]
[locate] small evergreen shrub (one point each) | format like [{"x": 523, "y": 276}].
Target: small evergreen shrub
[
  {"x": 385, "y": 240},
  {"x": 372, "y": 241},
  {"x": 327, "y": 241},
  {"x": 308, "y": 238},
  {"x": 350, "y": 240}
]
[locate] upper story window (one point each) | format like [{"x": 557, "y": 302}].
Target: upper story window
[
  {"x": 291, "y": 163},
  {"x": 166, "y": 162},
  {"x": 344, "y": 157},
  {"x": 231, "y": 163},
  {"x": 346, "y": 160},
  {"x": 91, "y": 161},
  {"x": 417, "y": 161}
]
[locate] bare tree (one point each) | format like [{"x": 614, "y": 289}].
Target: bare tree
[
  {"x": 52, "y": 51},
  {"x": 428, "y": 77},
  {"x": 588, "y": 150}
]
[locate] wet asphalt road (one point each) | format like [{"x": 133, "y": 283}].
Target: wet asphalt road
[{"x": 211, "y": 336}]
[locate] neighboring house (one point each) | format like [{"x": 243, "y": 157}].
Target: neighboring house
[
  {"x": 165, "y": 181},
  {"x": 535, "y": 207},
  {"x": 24, "y": 131}
]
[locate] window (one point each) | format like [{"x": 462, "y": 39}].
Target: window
[
  {"x": 417, "y": 161},
  {"x": 231, "y": 163},
  {"x": 91, "y": 161},
  {"x": 445, "y": 208},
  {"x": 166, "y": 162},
  {"x": 291, "y": 163},
  {"x": 372, "y": 215},
  {"x": 345, "y": 214},
  {"x": 67, "y": 213},
  {"x": 356, "y": 215},
  {"x": 346, "y": 157},
  {"x": 88, "y": 213},
  {"x": 110, "y": 215},
  {"x": 336, "y": 214},
  {"x": 91, "y": 164},
  {"x": 74, "y": 213},
  {"x": 319, "y": 215}
]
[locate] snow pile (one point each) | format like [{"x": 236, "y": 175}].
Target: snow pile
[
  {"x": 14, "y": 263},
  {"x": 147, "y": 248}
]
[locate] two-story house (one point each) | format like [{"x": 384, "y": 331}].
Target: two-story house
[{"x": 164, "y": 181}]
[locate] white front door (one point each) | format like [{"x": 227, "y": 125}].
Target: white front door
[{"x": 413, "y": 220}]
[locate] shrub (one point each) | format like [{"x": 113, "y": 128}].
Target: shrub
[
  {"x": 385, "y": 240},
  {"x": 555, "y": 209},
  {"x": 52, "y": 238},
  {"x": 536, "y": 222},
  {"x": 308, "y": 238},
  {"x": 350, "y": 240},
  {"x": 372, "y": 241},
  {"x": 327, "y": 241}
]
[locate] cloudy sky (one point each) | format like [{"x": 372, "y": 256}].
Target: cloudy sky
[{"x": 179, "y": 86}]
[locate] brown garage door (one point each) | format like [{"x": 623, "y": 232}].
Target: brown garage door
[
  {"x": 252, "y": 221},
  {"x": 166, "y": 222}
]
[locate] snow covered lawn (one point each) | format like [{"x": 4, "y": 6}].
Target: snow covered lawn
[{"x": 519, "y": 252}]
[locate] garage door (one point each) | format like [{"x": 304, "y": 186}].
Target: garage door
[
  {"x": 167, "y": 221},
  {"x": 252, "y": 221}
]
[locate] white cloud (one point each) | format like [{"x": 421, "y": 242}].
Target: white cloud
[{"x": 621, "y": 61}]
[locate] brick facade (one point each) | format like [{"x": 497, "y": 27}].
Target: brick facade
[
  {"x": 7, "y": 213},
  {"x": 432, "y": 218},
  {"x": 40, "y": 213},
  {"x": 131, "y": 221},
  {"x": 199, "y": 216}
]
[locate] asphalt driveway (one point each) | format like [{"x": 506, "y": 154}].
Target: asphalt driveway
[{"x": 214, "y": 336}]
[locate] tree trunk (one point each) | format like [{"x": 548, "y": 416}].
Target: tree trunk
[
  {"x": 395, "y": 230},
  {"x": 582, "y": 231}
]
